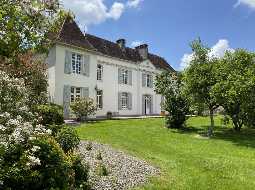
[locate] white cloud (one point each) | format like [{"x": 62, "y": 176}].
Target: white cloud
[
  {"x": 134, "y": 3},
  {"x": 136, "y": 43},
  {"x": 218, "y": 50},
  {"x": 116, "y": 11},
  {"x": 94, "y": 11},
  {"x": 249, "y": 3},
  {"x": 185, "y": 61}
]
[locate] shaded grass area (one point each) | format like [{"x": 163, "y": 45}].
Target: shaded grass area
[{"x": 187, "y": 160}]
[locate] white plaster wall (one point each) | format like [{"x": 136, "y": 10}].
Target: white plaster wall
[{"x": 109, "y": 84}]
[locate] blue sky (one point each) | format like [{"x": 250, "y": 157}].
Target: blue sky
[{"x": 168, "y": 26}]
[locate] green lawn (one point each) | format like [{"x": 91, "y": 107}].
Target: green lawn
[{"x": 227, "y": 161}]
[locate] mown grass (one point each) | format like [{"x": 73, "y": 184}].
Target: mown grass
[{"x": 187, "y": 160}]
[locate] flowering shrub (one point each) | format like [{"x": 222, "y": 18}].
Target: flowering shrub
[
  {"x": 51, "y": 114},
  {"x": 83, "y": 107},
  {"x": 29, "y": 155}
]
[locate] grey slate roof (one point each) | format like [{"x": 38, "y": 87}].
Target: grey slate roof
[{"x": 72, "y": 35}]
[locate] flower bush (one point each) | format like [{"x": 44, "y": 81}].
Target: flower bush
[
  {"x": 83, "y": 107},
  {"x": 29, "y": 155}
]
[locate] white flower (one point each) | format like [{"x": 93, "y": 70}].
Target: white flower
[
  {"x": 33, "y": 161},
  {"x": 12, "y": 122},
  {"x": 2, "y": 128},
  {"x": 48, "y": 131},
  {"x": 35, "y": 148},
  {"x": 32, "y": 138}
]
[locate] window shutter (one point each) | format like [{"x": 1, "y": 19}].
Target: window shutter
[
  {"x": 119, "y": 101},
  {"x": 85, "y": 92},
  {"x": 143, "y": 80},
  {"x": 66, "y": 100},
  {"x": 151, "y": 79},
  {"x": 120, "y": 76},
  {"x": 143, "y": 105},
  {"x": 86, "y": 65},
  {"x": 68, "y": 62},
  {"x": 130, "y": 77},
  {"x": 151, "y": 106},
  {"x": 130, "y": 101}
]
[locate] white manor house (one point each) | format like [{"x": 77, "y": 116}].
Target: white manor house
[{"x": 118, "y": 78}]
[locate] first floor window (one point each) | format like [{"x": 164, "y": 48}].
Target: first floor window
[
  {"x": 124, "y": 100},
  {"x": 75, "y": 93},
  {"x": 99, "y": 72},
  {"x": 99, "y": 99},
  {"x": 124, "y": 76},
  {"x": 76, "y": 63},
  {"x": 148, "y": 81}
]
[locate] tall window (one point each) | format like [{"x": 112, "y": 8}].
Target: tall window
[
  {"x": 124, "y": 76},
  {"x": 99, "y": 72},
  {"x": 124, "y": 100},
  {"x": 75, "y": 93},
  {"x": 76, "y": 63},
  {"x": 149, "y": 81},
  {"x": 100, "y": 99}
]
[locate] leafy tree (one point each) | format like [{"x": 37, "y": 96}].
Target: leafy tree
[
  {"x": 27, "y": 29},
  {"x": 83, "y": 107},
  {"x": 26, "y": 24},
  {"x": 236, "y": 86},
  {"x": 199, "y": 78},
  {"x": 169, "y": 85}
]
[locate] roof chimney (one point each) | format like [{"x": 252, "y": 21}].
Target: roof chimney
[
  {"x": 143, "y": 51},
  {"x": 121, "y": 43}
]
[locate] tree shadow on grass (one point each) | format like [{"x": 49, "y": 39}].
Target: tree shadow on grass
[{"x": 246, "y": 137}]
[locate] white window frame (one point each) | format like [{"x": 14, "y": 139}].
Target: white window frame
[
  {"x": 124, "y": 73},
  {"x": 148, "y": 82},
  {"x": 99, "y": 99},
  {"x": 76, "y": 63},
  {"x": 75, "y": 93},
  {"x": 124, "y": 100},
  {"x": 99, "y": 72}
]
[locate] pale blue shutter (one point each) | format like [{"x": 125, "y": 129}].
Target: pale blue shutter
[
  {"x": 129, "y": 101},
  {"x": 151, "y": 105},
  {"x": 130, "y": 77},
  {"x": 68, "y": 62},
  {"x": 85, "y": 92},
  {"x": 86, "y": 65},
  {"x": 151, "y": 79},
  {"x": 66, "y": 100},
  {"x": 119, "y": 101},
  {"x": 143, "y": 105},
  {"x": 143, "y": 80},
  {"x": 120, "y": 76}
]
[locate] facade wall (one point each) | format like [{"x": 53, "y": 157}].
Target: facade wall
[{"x": 109, "y": 83}]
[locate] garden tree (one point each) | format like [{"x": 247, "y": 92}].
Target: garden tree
[
  {"x": 200, "y": 77},
  {"x": 169, "y": 86},
  {"x": 236, "y": 86},
  {"x": 25, "y": 28},
  {"x": 83, "y": 107}
]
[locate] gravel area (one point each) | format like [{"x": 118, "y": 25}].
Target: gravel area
[{"x": 123, "y": 171}]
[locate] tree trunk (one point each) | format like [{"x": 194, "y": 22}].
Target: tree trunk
[
  {"x": 237, "y": 124},
  {"x": 210, "y": 128}
]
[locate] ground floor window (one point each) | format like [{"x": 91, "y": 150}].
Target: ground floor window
[
  {"x": 124, "y": 100},
  {"x": 75, "y": 93},
  {"x": 99, "y": 99}
]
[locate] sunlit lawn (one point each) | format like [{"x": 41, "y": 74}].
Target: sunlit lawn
[{"x": 187, "y": 160}]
